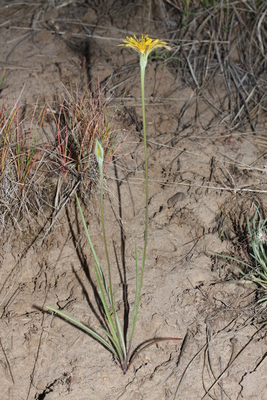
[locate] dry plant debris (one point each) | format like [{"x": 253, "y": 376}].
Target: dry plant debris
[{"x": 36, "y": 177}]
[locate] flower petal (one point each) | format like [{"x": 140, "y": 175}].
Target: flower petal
[{"x": 144, "y": 45}]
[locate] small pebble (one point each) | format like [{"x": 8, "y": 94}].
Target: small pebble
[{"x": 180, "y": 196}]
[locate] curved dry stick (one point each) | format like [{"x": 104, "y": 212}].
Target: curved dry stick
[{"x": 145, "y": 345}]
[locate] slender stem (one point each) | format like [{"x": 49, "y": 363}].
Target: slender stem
[
  {"x": 137, "y": 298},
  {"x": 104, "y": 236},
  {"x": 146, "y": 170}
]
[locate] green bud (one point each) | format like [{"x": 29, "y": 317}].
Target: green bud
[{"x": 99, "y": 153}]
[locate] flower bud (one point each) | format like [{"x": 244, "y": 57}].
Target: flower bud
[{"x": 99, "y": 153}]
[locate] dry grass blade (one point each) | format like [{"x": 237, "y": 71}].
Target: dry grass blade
[
  {"x": 25, "y": 165},
  {"x": 208, "y": 363},
  {"x": 230, "y": 50},
  {"x": 238, "y": 86},
  {"x": 81, "y": 120},
  {"x": 19, "y": 156},
  {"x": 207, "y": 394}
]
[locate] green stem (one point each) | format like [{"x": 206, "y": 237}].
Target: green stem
[
  {"x": 104, "y": 237},
  {"x": 137, "y": 298},
  {"x": 146, "y": 170}
]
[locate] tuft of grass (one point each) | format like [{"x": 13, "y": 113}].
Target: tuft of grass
[
  {"x": 20, "y": 162},
  {"x": 255, "y": 270},
  {"x": 221, "y": 44},
  {"x": 24, "y": 150},
  {"x": 82, "y": 119},
  {"x": 258, "y": 236},
  {"x": 28, "y": 168},
  {"x": 6, "y": 129}
]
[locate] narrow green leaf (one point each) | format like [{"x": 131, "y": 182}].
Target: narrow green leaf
[
  {"x": 84, "y": 327},
  {"x": 134, "y": 316},
  {"x": 122, "y": 342},
  {"x": 92, "y": 249},
  {"x": 108, "y": 315}
]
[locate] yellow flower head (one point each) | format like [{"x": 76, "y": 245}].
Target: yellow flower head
[{"x": 144, "y": 45}]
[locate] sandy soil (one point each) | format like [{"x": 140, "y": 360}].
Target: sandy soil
[{"x": 200, "y": 189}]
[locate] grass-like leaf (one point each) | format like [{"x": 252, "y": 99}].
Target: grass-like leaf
[{"x": 84, "y": 327}]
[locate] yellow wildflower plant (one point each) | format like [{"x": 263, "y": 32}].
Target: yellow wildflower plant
[
  {"x": 115, "y": 337},
  {"x": 144, "y": 46}
]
